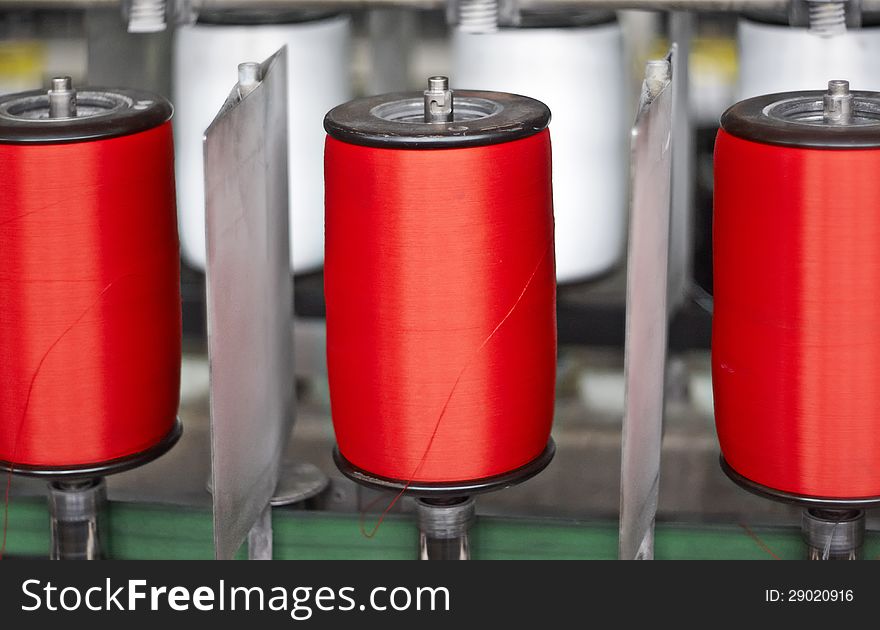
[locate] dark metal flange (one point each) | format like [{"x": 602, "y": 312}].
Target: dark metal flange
[
  {"x": 805, "y": 501},
  {"x": 99, "y": 469},
  {"x": 446, "y": 489}
]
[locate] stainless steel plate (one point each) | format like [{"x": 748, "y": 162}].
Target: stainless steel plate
[
  {"x": 646, "y": 311},
  {"x": 249, "y": 301}
]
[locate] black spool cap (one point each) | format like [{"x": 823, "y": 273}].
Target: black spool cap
[
  {"x": 101, "y": 113},
  {"x": 448, "y": 489},
  {"x": 396, "y": 121},
  {"x": 795, "y": 119}
]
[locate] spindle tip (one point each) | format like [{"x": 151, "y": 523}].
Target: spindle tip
[
  {"x": 837, "y": 106},
  {"x": 250, "y": 74},
  {"x": 438, "y": 84},
  {"x": 838, "y": 87},
  {"x": 438, "y": 100},
  {"x": 61, "y": 84},
  {"x": 62, "y": 98}
]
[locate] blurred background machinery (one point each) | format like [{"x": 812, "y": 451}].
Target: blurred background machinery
[{"x": 586, "y": 63}]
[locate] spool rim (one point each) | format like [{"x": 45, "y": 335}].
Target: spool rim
[
  {"x": 263, "y": 17},
  {"x": 99, "y": 469},
  {"x": 784, "y": 119},
  {"x": 537, "y": 18},
  {"x": 780, "y": 17},
  {"x": 805, "y": 501},
  {"x": 447, "y": 489},
  {"x": 110, "y": 113},
  {"x": 482, "y": 118}
]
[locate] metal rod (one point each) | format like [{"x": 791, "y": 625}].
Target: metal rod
[
  {"x": 682, "y": 30},
  {"x": 438, "y": 100},
  {"x": 62, "y": 98},
  {"x": 838, "y": 103},
  {"x": 250, "y": 73},
  {"x": 77, "y": 510},
  {"x": 443, "y": 528}
]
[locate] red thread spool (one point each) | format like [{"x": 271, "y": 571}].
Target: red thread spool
[
  {"x": 796, "y": 330},
  {"x": 89, "y": 283},
  {"x": 440, "y": 291}
]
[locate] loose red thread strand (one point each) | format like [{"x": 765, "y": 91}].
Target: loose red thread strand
[
  {"x": 33, "y": 380},
  {"x": 14, "y": 460},
  {"x": 796, "y": 327},
  {"x": 415, "y": 473},
  {"x": 759, "y": 542}
]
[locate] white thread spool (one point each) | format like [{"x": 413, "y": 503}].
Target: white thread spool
[
  {"x": 580, "y": 73},
  {"x": 206, "y": 59},
  {"x": 780, "y": 58}
]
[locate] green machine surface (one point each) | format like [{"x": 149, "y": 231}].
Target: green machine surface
[{"x": 152, "y": 532}]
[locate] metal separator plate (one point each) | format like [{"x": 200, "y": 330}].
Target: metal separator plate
[
  {"x": 249, "y": 303},
  {"x": 646, "y": 317}
]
